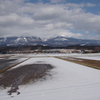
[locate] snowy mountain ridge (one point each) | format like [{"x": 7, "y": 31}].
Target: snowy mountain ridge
[{"x": 55, "y": 41}]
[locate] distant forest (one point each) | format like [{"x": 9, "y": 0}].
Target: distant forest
[{"x": 4, "y": 50}]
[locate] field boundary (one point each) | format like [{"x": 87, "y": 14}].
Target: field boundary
[
  {"x": 86, "y": 62},
  {"x": 13, "y": 65}
]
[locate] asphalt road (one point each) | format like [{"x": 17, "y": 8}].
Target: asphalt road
[{"x": 5, "y": 63}]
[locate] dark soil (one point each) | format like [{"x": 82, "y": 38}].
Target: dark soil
[{"x": 23, "y": 75}]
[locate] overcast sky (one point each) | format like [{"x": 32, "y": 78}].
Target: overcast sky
[{"x": 50, "y": 18}]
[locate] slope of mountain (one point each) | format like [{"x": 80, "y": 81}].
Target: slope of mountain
[
  {"x": 20, "y": 41},
  {"x": 56, "y": 41},
  {"x": 65, "y": 41}
]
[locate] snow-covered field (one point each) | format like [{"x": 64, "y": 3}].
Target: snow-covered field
[
  {"x": 88, "y": 56},
  {"x": 69, "y": 81},
  {"x": 92, "y": 58}
]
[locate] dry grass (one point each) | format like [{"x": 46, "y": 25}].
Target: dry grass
[
  {"x": 24, "y": 74},
  {"x": 90, "y": 63}
]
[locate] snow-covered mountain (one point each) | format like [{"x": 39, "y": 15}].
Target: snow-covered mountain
[
  {"x": 19, "y": 41},
  {"x": 65, "y": 41},
  {"x": 55, "y": 41}
]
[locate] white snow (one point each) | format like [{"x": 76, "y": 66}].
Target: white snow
[
  {"x": 91, "y": 58},
  {"x": 94, "y": 56},
  {"x": 17, "y": 40},
  {"x": 69, "y": 81},
  {"x": 25, "y": 39},
  {"x": 61, "y": 39},
  {"x": 21, "y": 39}
]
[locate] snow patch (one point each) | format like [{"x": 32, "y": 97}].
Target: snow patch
[{"x": 70, "y": 81}]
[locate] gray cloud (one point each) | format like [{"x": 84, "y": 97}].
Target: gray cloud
[
  {"x": 56, "y": 1},
  {"x": 90, "y": 5},
  {"x": 46, "y": 20}
]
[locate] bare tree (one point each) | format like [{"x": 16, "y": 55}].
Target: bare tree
[{"x": 97, "y": 49}]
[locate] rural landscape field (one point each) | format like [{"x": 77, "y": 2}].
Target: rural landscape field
[
  {"x": 49, "y": 49},
  {"x": 49, "y": 76}
]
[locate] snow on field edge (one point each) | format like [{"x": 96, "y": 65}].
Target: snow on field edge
[{"x": 69, "y": 81}]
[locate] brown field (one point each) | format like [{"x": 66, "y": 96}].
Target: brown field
[
  {"x": 23, "y": 75},
  {"x": 90, "y": 63}
]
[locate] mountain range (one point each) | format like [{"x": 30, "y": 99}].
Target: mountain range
[{"x": 55, "y": 41}]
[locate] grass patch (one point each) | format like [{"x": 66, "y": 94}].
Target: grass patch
[
  {"x": 23, "y": 75},
  {"x": 87, "y": 62}
]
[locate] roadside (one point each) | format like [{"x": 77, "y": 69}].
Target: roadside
[
  {"x": 86, "y": 62},
  {"x": 5, "y": 69}
]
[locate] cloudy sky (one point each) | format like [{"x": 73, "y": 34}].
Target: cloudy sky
[{"x": 50, "y": 18}]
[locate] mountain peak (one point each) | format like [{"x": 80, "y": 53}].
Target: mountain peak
[
  {"x": 60, "y": 38},
  {"x": 55, "y": 41}
]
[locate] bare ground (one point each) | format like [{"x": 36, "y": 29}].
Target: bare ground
[{"x": 23, "y": 75}]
